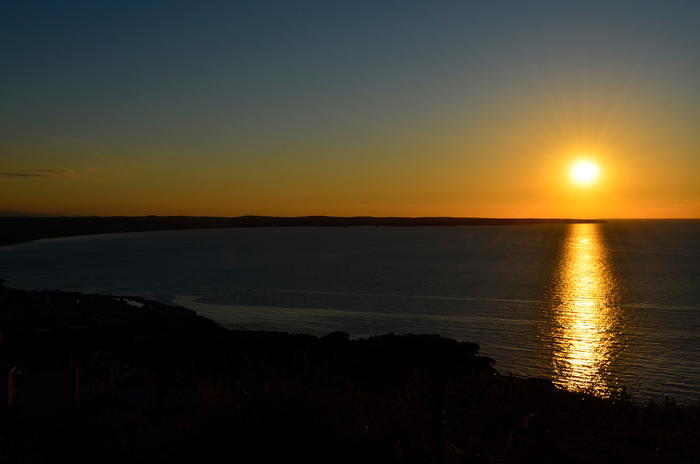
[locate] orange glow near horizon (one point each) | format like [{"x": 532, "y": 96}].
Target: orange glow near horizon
[
  {"x": 499, "y": 166},
  {"x": 364, "y": 121}
]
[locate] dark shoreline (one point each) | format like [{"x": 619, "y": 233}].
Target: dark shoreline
[
  {"x": 265, "y": 396},
  {"x": 24, "y": 229}
]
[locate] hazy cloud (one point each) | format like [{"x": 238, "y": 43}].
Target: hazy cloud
[
  {"x": 23, "y": 174},
  {"x": 55, "y": 171},
  {"x": 687, "y": 204},
  {"x": 40, "y": 173}
]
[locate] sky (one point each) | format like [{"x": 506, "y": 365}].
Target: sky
[{"x": 378, "y": 108}]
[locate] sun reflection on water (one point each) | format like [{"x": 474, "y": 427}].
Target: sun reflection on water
[{"x": 585, "y": 324}]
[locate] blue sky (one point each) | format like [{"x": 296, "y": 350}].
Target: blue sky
[{"x": 383, "y": 108}]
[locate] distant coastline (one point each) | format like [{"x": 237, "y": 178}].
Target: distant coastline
[{"x": 18, "y": 229}]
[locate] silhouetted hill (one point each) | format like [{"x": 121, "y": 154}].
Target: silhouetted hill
[
  {"x": 225, "y": 395},
  {"x": 10, "y": 213}
]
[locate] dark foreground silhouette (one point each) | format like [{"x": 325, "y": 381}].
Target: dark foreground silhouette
[
  {"x": 23, "y": 229},
  {"x": 96, "y": 378}
]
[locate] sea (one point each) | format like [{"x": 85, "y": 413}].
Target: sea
[{"x": 593, "y": 307}]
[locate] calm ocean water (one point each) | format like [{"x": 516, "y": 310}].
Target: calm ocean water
[{"x": 592, "y": 306}]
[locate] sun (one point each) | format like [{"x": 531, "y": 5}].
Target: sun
[{"x": 585, "y": 172}]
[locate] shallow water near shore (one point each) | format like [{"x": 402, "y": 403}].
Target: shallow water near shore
[{"x": 591, "y": 306}]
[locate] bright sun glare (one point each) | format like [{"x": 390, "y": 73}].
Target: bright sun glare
[{"x": 584, "y": 172}]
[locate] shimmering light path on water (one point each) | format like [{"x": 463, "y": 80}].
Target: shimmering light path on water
[{"x": 584, "y": 328}]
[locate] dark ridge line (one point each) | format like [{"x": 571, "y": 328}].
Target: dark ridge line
[{"x": 23, "y": 229}]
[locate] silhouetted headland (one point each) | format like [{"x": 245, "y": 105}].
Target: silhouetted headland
[
  {"x": 22, "y": 229},
  {"x": 101, "y": 378}
]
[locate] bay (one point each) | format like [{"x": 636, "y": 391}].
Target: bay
[{"x": 591, "y": 306}]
